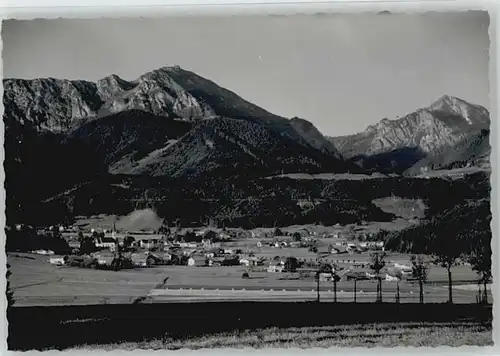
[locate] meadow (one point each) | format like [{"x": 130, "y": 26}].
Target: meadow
[
  {"x": 248, "y": 324},
  {"x": 361, "y": 335}
]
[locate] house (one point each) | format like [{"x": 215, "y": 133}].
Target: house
[
  {"x": 104, "y": 259},
  {"x": 307, "y": 272},
  {"x": 360, "y": 264},
  {"x": 276, "y": 267},
  {"x": 43, "y": 252},
  {"x": 256, "y": 234},
  {"x": 163, "y": 256},
  {"x": 206, "y": 243},
  {"x": 200, "y": 232},
  {"x": 148, "y": 244},
  {"x": 188, "y": 251},
  {"x": 325, "y": 277},
  {"x": 358, "y": 275},
  {"x": 216, "y": 261},
  {"x": 145, "y": 244},
  {"x": 339, "y": 249},
  {"x": 74, "y": 244},
  {"x": 215, "y": 251},
  {"x": 249, "y": 261},
  {"x": 197, "y": 261},
  {"x": 370, "y": 275},
  {"x": 324, "y": 250},
  {"x": 58, "y": 261},
  {"x": 209, "y": 255},
  {"x": 403, "y": 268},
  {"x": 139, "y": 259},
  {"x": 390, "y": 278},
  {"x": 157, "y": 258},
  {"x": 105, "y": 242},
  {"x": 167, "y": 243}
]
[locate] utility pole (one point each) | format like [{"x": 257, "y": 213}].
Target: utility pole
[
  {"x": 355, "y": 280},
  {"x": 335, "y": 289},
  {"x": 397, "y": 292},
  {"x": 317, "y": 286}
]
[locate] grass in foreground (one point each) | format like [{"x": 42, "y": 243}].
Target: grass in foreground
[{"x": 368, "y": 335}]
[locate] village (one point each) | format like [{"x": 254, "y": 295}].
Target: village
[
  {"x": 119, "y": 260},
  {"x": 295, "y": 250}
]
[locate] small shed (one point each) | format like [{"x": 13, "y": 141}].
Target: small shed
[
  {"x": 197, "y": 261},
  {"x": 276, "y": 267}
]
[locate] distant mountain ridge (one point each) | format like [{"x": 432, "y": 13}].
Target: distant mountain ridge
[
  {"x": 424, "y": 133},
  {"x": 162, "y": 99},
  {"x": 168, "y": 123},
  {"x": 59, "y": 105}
]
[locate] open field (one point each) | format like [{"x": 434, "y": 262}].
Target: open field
[
  {"x": 453, "y": 173},
  {"x": 36, "y": 279},
  {"x": 404, "y": 208},
  {"x": 174, "y": 325},
  {"x": 145, "y": 219},
  {"x": 36, "y": 282},
  {"x": 366, "y": 335}
]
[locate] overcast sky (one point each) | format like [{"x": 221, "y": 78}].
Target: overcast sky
[{"x": 341, "y": 72}]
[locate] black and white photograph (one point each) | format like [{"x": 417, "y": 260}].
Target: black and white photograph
[{"x": 248, "y": 181}]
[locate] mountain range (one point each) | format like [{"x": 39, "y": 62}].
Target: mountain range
[
  {"x": 425, "y": 139},
  {"x": 174, "y": 124},
  {"x": 139, "y": 127}
]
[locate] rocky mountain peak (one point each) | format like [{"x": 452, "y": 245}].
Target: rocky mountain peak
[
  {"x": 444, "y": 123},
  {"x": 446, "y": 102},
  {"x": 470, "y": 113},
  {"x": 50, "y": 104},
  {"x": 112, "y": 85},
  {"x": 61, "y": 106}
]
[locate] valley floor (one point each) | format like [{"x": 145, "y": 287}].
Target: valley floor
[{"x": 36, "y": 282}]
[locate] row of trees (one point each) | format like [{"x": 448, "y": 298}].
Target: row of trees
[
  {"x": 460, "y": 234},
  {"x": 29, "y": 239},
  {"x": 480, "y": 261}
]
